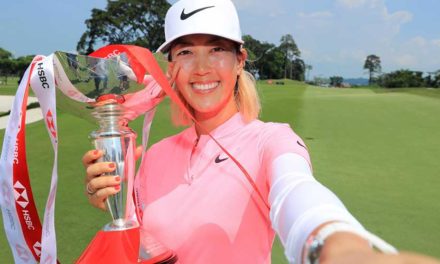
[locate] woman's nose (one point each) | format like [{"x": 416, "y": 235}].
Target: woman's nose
[{"x": 202, "y": 64}]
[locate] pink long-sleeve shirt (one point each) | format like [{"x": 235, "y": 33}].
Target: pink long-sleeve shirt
[{"x": 197, "y": 202}]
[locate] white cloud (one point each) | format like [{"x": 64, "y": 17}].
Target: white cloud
[
  {"x": 418, "y": 41},
  {"x": 243, "y": 3},
  {"x": 417, "y": 53},
  {"x": 436, "y": 42},
  {"x": 316, "y": 15},
  {"x": 353, "y": 55},
  {"x": 397, "y": 18},
  {"x": 405, "y": 60},
  {"x": 351, "y": 3},
  {"x": 260, "y": 6}
]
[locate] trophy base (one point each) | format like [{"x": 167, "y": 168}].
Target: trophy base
[
  {"x": 112, "y": 248},
  {"x": 120, "y": 225},
  {"x": 166, "y": 258},
  {"x": 122, "y": 246}
]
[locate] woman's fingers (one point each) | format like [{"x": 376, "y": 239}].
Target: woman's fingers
[
  {"x": 100, "y": 196},
  {"x": 90, "y": 157},
  {"x": 95, "y": 184},
  {"x": 98, "y": 186},
  {"x": 97, "y": 169}
]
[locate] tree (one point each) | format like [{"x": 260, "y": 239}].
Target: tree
[
  {"x": 336, "y": 81},
  {"x": 21, "y": 64},
  {"x": 137, "y": 22},
  {"x": 273, "y": 64},
  {"x": 372, "y": 64},
  {"x": 290, "y": 50},
  {"x": 297, "y": 70},
  {"x": 257, "y": 55},
  {"x": 433, "y": 79},
  {"x": 402, "y": 78},
  {"x": 5, "y": 55},
  {"x": 11, "y": 66},
  {"x": 6, "y": 64},
  {"x": 308, "y": 69}
]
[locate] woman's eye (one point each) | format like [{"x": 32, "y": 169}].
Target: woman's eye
[
  {"x": 183, "y": 52},
  {"x": 218, "y": 49}
]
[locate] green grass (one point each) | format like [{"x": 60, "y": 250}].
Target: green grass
[
  {"x": 377, "y": 151},
  {"x": 10, "y": 87}
]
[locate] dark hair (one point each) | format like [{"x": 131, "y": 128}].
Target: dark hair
[{"x": 237, "y": 47}]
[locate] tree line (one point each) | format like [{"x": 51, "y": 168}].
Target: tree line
[
  {"x": 9, "y": 65},
  {"x": 400, "y": 78},
  {"x": 396, "y": 79}
]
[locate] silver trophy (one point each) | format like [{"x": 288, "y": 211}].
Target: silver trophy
[{"x": 97, "y": 89}]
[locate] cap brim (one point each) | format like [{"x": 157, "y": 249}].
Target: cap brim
[{"x": 164, "y": 48}]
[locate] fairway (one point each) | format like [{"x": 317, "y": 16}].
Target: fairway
[{"x": 378, "y": 151}]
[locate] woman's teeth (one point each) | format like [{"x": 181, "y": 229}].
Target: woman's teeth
[{"x": 205, "y": 86}]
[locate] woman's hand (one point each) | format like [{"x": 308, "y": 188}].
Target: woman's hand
[
  {"x": 98, "y": 187},
  {"x": 347, "y": 248},
  {"x": 378, "y": 258}
]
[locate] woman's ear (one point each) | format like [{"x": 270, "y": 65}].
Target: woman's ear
[
  {"x": 241, "y": 57},
  {"x": 170, "y": 69}
]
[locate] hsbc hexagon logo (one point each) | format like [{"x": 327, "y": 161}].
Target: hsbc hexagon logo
[
  {"x": 22, "y": 253},
  {"x": 20, "y": 194},
  {"x": 37, "y": 248},
  {"x": 50, "y": 124}
]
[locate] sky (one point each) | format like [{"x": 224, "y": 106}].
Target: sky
[{"x": 334, "y": 36}]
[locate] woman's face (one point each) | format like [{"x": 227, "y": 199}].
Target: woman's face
[{"x": 205, "y": 70}]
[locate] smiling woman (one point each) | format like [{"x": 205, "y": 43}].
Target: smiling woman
[{"x": 215, "y": 206}]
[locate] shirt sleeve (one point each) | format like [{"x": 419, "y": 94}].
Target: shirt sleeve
[{"x": 299, "y": 203}]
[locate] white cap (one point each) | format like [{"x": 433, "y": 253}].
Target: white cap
[{"x": 213, "y": 17}]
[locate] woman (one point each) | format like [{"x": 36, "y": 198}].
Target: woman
[{"x": 195, "y": 199}]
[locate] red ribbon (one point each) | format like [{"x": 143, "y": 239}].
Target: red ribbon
[
  {"x": 26, "y": 209},
  {"x": 143, "y": 61}
]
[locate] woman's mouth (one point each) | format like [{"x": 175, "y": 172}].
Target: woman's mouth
[{"x": 204, "y": 87}]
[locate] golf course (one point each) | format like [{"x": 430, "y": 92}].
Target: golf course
[{"x": 377, "y": 149}]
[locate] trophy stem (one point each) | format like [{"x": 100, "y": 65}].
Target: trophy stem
[{"x": 116, "y": 140}]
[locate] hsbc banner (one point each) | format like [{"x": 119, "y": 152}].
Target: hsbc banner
[{"x": 30, "y": 241}]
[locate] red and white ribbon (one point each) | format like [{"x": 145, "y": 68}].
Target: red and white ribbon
[{"x": 30, "y": 242}]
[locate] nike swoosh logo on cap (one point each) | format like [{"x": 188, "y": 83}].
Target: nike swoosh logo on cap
[{"x": 184, "y": 16}]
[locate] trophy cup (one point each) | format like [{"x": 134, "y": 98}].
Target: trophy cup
[{"x": 97, "y": 89}]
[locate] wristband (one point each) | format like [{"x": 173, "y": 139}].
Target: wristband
[{"x": 313, "y": 247}]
